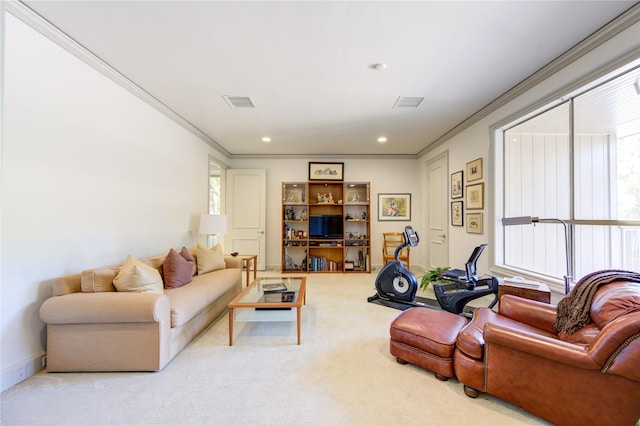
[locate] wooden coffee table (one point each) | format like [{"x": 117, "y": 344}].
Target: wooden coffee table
[
  {"x": 247, "y": 260},
  {"x": 254, "y": 305}
]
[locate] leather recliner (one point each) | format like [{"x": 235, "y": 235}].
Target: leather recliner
[{"x": 589, "y": 377}]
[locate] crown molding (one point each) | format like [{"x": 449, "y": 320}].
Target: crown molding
[
  {"x": 323, "y": 156},
  {"x": 44, "y": 27},
  {"x": 604, "y": 34}
]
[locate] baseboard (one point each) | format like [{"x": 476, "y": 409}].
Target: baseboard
[{"x": 21, "y": 371}]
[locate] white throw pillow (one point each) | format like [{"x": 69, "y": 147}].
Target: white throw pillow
[
  {"x": 135, "y": 276},
  {"x": 209, "y": 259}
]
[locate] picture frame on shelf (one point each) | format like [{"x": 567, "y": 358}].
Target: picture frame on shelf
[
  {"x": 475, "y": 196},
  {"x": 294, "y": 196},
  {"x": 394, "y": 207},
  {"x": 474, "y": 170},
  {"x": 353, "y": 197},
  {"x": 326, "y": 171},
  {"x": 474, "y": 223},
  {"x": 457, "y": 184},
  {"x": 456, "y": 213}
]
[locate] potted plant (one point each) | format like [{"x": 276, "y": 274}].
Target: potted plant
[{"x": 432, "y": 276}]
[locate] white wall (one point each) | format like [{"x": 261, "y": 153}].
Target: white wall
[
  {"x": 385, "y": 176},
  {"x": 90, "y": 173}
]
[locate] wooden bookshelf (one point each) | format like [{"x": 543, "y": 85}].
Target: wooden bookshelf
[{"x": 346, "y": 252}]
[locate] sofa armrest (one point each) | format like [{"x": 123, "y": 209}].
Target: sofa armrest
[
  {"x": 531, "y": 312},
  {"x": 106, "y": 307},
  {"x": 233, "y": 262},
  {"x": 539, "y": 345},
  {"x": 66, "y": 285}
]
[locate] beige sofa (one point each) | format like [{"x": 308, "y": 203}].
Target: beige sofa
[{"x": 93, "y": 327}]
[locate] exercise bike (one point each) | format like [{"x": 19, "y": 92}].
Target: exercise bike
[{"x": 396, "y": 286}]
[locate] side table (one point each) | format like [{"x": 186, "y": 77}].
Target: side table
[{"x": 539, "y": 292}]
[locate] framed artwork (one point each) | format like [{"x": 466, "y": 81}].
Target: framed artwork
[
  {"x": 474, "y": 223},
  {"x": 294, "y": 196},
  {"x": 456, "y": 184},
  {"x": 474, "y": 170},
  {"x": 394, "y": 207},
  {"x": 326, "y": 171},
  {"x": 456, "y": 213},
  {"x": 475, "y": 196}
]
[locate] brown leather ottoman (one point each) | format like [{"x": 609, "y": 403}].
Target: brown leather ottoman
[{"x": 427, "y": 338}]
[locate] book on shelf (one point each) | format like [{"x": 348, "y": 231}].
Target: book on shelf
[{"x": 274, "y": 288}]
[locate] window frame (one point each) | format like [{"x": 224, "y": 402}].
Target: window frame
[{"x": 497, "y": 153}]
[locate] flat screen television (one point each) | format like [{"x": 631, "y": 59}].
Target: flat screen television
[{"x": 325, "y": 226}]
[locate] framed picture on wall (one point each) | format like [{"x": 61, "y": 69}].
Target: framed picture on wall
[
  {"x": 326, "y": 171},
  {"x": 456, "y": 184},
  {"x": 475, "y": 196},
  {"x": 394, "y": 207},
  {"x": 474, "y": 223},
  {"x": 474, "y": 170},
  {"x": 456, "y": 213}
]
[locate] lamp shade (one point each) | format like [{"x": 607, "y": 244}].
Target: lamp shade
[{"x": 213, "y": 224}]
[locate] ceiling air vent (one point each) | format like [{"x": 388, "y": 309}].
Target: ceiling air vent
[
  {"x": 239, "y": 101},
  {"x": 408, "y": 102}
]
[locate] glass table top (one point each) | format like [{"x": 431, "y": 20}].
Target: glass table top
[{"x": 272, "y": 290}]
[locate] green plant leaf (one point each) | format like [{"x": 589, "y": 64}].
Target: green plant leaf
[{"x": 432, "y": 276}]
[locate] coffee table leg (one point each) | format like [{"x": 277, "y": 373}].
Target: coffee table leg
[
  {"x": 255, "y": 267},
  {"x": 298, "y": 315},
  {"x": 230, "y": 326}
]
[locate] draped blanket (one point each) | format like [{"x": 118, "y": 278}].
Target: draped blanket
[{"x": 574, "y": 310}]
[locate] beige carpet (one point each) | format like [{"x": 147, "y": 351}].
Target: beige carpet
[{"x": 342, "y": 374}]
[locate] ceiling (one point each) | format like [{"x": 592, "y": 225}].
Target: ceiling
[{"x": 308, "y": 67}]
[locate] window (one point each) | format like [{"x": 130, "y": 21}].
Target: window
[
  {"x": 578, "y": 161},
  {"x": 215, "y": 196}
]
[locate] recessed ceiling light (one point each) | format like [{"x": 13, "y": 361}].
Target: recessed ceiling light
[
  {"x": 266, "y": 139},
  {"x": 382, "y": 139}
]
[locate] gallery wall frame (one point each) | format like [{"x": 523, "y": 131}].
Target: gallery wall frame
[
  {"x": 474, "y": 223},
  {"x": 474, "y": 170},
  {"x": 457, "y": 184},
  {"x": 475, "y": 196},
  {"x": 326, "y": 171},
  {"x": 394, "y": 207},
  {"x": 457, "y": 213}
]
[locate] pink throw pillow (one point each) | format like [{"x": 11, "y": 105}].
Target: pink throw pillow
[{"x": 177, "y": 268}]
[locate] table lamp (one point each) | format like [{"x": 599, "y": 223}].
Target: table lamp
[{"x": 213, "y": 224}]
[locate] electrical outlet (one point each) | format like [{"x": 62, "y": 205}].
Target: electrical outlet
[{"x": 21, "y": 374}]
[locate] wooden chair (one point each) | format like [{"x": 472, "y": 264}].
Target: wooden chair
[{"x": 391, "y": 241}]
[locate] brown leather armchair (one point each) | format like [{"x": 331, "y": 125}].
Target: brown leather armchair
[{"x": 589, "y": 377}]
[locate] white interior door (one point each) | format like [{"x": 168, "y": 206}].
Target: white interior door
[
  {"x": 245, "y": 209},
  {"x": 437, "y": 211}
]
